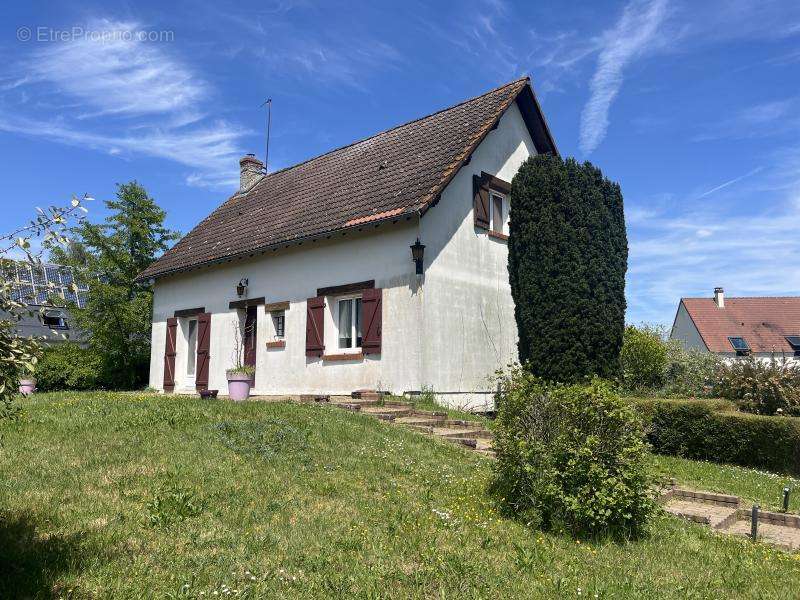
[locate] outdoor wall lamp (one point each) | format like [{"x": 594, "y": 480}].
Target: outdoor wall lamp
[
  {"x": 241, "y": 287},
  {"x": 417, "y": 253}
]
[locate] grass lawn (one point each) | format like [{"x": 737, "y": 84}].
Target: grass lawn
[{"x": 134, "y": 496}]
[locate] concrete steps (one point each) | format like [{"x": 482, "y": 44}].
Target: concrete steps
[
  {"x": 469, "y": 434},
  {"x": 724, "y": 513}
]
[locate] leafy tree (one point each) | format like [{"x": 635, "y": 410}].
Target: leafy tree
[
  {"x": 116, "y": 319},
  {"x": 568, "y": 253}
]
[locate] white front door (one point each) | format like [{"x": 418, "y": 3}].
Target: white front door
[{"x": 191, "y": 352}]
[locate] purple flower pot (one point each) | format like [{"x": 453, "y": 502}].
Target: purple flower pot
[
  {"x": 239, "y": 386},
  {"x": 27, "y": 386}
]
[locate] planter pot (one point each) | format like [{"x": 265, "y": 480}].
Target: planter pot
[
  {"x": 208, "y": 393},
  {"x": 27, "y": 386},
  {"x": 239, "y": 386}
]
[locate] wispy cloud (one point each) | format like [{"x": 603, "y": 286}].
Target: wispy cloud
[
  {"x": 121, "y": 95},
  {"x": 774, "y": 117},
  {"x": 630, "y": 37},
  {"x": 730, "y": 182},
  {"x": 681, "y": 247}
]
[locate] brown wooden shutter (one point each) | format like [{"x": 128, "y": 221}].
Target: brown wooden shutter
[
  {"x": 480, "y": 201},
  {"x": 372, "y": 320},
  {"x": 203, "y": 346},
  {"x": 315, "y": 326},
  {"x": 169, "y": 355}
]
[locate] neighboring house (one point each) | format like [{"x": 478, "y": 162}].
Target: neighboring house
[
  {"x": 39, "y": 287},
  {"x": 312, "y": 265},
  {"x": 761, "y": 326}
]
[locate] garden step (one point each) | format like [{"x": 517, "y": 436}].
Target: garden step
[
  {"x": 454, "y": 432},
  {"x": 419, "y": 421},
  {"x": 701, "y": 512},
  {"x": 348, "y": 406},
  {"x": 397, "y": 411},
  {"x": 430, "y": 413}
]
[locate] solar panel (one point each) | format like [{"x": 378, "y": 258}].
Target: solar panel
[
  {"x": 739, "y": 344},
  {"x": 794, "y": 341}
]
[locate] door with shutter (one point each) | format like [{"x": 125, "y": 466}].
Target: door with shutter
[
  {"x": 372, "y": 319},
  {"x": 169, "y": 354},
  {"x": 203, "y": 347},
  {"x": 315, "y": 326}
]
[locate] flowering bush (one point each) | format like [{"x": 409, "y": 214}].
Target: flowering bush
[
  {"x": 571, "y": 457},
  {"x": 689, "y": 372},
  {"x": 762, "y": 387}
]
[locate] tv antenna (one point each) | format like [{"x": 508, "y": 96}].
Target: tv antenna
[{"x": 268, "y": 104}]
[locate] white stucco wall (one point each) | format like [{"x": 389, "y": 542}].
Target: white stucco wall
[
  {"x": 295, "y": 274},
  {"x": 468, "y": 313},
  {"x": 684, "y": 330},
  {"x": 448, "y": 330}
]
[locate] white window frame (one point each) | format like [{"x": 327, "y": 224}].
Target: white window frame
[
  {"x": 356, "y": 347},
  {"x": 278, "y": 314},
  {"x": 504, "y": 202}
]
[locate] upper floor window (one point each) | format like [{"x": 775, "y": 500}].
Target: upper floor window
[
  {"x": 740, "y": 345},
  {"x": 499, "y": 213},
  {"x": 349, "y": 322}
]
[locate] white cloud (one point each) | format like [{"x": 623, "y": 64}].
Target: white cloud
[
  {"x": 629, "y": 38},
  {"x": 739, "y": 237},
  {"x": 120, "y": 95}
]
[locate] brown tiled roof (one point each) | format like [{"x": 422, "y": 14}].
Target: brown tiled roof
[
  {"x": 763, "y": 322},
  {"x": 391, "y": 174}
]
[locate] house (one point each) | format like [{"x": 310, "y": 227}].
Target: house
[
  {"x": 759, "y": 326},
  {"x": 42, "y": 288},
  {"x": 380, "y": 265}
]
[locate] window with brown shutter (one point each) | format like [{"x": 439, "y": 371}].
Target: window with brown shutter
[
  {"x": 203, "y": 346},
  {"x": 372, "y": 320},
  {"x": 480, "y": 201},
  {"x": 169, "y": 354},
  {"x": 315, "y": 326}
]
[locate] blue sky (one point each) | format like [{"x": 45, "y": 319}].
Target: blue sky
[{"x": 694, "y": 107}]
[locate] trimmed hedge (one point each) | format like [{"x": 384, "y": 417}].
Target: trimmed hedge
[{"x": 710, "y": 430}]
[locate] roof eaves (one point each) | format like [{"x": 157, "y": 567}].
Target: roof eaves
[
  {"x": 408, "y": 213},
  {"x": 432, "y": 197}
]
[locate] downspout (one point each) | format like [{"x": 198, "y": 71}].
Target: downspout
[{"x": 420, "y": 313}]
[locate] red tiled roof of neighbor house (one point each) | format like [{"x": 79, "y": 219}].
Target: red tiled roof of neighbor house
[
  {"x": 390, "y": 175},
  {"x": 764, "y": 322}
]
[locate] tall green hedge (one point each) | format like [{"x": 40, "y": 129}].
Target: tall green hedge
[
  {"x": 568, "y": 253},
  {"x": 710, "y": 430}
]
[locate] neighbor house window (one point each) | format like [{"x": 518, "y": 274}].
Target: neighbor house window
[
  {"x": 191, "y": 338},
  {"x": 499, "y": 216},
  {"x": 54, "y": 320},
  {"x": 740, "y": 345},
  {"x": 279, "y": 323},
  {"x": 794, "y": 342},
  {"x": 349, "y": 323}
]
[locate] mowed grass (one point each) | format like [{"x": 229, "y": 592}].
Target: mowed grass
[{"x": 134, "y": 496}]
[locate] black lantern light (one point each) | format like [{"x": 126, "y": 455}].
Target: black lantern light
[
  {"x": 417, "y": 253},
  {"x": 241, "y": 287}
]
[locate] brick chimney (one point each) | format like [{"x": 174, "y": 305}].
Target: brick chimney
[
  {"x": 719, "y": 297},
  {"x": 250, "y": 170}
]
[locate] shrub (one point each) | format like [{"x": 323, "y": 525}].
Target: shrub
[
  {"x": 689, "y": 372},
  {"x": 67, "y": 366},
  {"x": 710, "y": 430},
  {"x": 762, "y": 387},
  {"x": 643, "y": 358},
  {"x": 567, "y": 257},
  {"x": 571, "y": 457}
]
